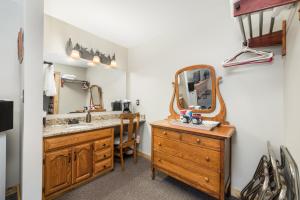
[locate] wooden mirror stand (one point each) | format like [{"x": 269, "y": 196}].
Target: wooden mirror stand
[{"x": 220, "y": 116}]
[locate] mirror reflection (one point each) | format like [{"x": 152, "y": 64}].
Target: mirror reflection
[
  {"x": 77, "y": 89},
  {"x": 195, "y": 89}
]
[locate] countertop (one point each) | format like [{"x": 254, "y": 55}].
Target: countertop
[
  {"x": 222, "y": 131},
  {"x": 63, "y": 129}
]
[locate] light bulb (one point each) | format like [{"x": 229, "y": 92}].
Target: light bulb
[
  {"x": 75, "y": 54},
  {"x": 96, "y": 59},
  {"x": 113, "y": 63}
]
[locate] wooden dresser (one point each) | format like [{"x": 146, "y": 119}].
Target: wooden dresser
[
  {"x": 199, "y": 158},
  {"x": 73, "y": 159}
]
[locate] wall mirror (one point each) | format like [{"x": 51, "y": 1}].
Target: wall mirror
[
  {"x": 79, "y": 87},
  {"x": 196, "y": 88}
]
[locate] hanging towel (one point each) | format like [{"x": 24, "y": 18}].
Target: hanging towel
[
  {"x": 68, "y": 76},
  {"x": 49, "y": 81}
]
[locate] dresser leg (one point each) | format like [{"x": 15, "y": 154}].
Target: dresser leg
[{"x": 153, "y": 173}]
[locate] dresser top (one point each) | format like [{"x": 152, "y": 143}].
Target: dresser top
[{"x": 222, "y": 131}]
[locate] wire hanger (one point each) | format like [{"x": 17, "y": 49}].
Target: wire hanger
[{"x": 261, "y": 57}]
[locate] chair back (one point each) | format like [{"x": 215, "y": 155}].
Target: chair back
[{"x": 132, "y": 119}]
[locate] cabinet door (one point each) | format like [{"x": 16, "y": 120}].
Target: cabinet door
[
  {"x": 82, "y": 165},
  {"x": 58, "y": 170}
]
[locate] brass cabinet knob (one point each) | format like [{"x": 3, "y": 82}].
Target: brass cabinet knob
[
  {"x": 206, "y": 179},
  {"x": 104, "y": 156},
  {"x": 207, "y": 159},
  {"x": 198, "y": 140},
  {"x": 159, "y": 160},
  {"x": 165, "y": 133},
  {"x": 104, "y": 166},
  {"x": 159, "y": 144}
]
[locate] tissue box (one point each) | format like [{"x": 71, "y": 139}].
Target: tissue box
[{"x": 6, "y": 115}]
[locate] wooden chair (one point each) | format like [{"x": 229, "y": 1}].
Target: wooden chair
[{"x": 127, "y": 139}]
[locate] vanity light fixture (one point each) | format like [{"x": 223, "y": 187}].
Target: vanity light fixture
[
  {"x": 91, "y": 56},
  {"x": 113, "y": 61},
  {"x": 75, "y": 52},
  {"x": 96, "y": 59}
]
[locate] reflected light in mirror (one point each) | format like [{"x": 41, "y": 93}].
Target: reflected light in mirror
[
  {"x": 91, "y": 64},
  {"x": 96, "y": 59},
  {"x": 75, "y": 54}
]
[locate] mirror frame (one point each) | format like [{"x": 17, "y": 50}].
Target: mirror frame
[
  {"x": 213, "y": 82},
  {"x": 100, "y": 106}
]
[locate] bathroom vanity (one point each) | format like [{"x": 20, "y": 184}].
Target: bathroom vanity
[
  {"x": 198, "y": 156},
  {"x": 76, "y": 154}
]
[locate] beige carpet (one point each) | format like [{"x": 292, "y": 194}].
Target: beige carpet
[{"x": 134, "y": 183}]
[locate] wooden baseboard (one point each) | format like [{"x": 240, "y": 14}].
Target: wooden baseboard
[
  {"x": 236, "y": 193},
  {"x": 143, "y": 155}
]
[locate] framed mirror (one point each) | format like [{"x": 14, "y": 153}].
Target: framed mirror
[
  {"x": 196, "y": 88},
  {"x": 96, "y": 99}
]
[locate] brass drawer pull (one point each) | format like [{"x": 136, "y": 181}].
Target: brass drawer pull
[
  {"x": 104, "y": 145},
  {"x": 104, "y": 166},
  {"x": 207, "y": 159},
  {"x": 159, "y": 160},
  {"x": 206, "y": 179},
  {"x": 165, "y": 133},
  {"x": 198, "y": 141},
  {"x": 159, "y": 144},
  {"x": 104, "y": 156}
]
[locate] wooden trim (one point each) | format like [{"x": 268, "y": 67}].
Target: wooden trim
[{"x": 213, "y": 80}]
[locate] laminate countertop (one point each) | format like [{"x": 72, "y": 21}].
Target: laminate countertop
[{"x": 63, "y": 129}]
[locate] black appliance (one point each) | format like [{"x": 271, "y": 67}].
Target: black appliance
[
  {"x": 126, "y": 107},
  {"x": 6, "y": 115},
  {"x": 116, "y": 106}
]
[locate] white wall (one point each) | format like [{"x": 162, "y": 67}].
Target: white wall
[
  {"x": 292, "y": 89},
  {"x": 10, "y": 80},
  {"x": 253, "y": 94},
  {"x": 31, "y": 168}
]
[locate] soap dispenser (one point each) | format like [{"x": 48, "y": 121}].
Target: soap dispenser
[{"x": 88, "y": 118}]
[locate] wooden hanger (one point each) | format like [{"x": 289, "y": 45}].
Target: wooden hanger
[{"x": 261, "y": 57}]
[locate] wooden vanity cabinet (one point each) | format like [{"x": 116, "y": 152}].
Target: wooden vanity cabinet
[{"x": 73, "y": 159}]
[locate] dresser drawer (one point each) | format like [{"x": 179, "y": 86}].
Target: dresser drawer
[
  {"x": 77, "y": 138},
  {"x": 102, "y": 155},
  {"x": 102, "y": 144},
  {"x": 200, "y": 178},
  {"x": 202, "y": 141},
  {"x": 166, "y": 134},
  {"x": 207, "y": 158},
  {"x": 103, "y": 165}
]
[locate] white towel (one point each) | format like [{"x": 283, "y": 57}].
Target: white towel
[
  {"x": 49, "y": 81},
  {"x": 68, "y": 76}
]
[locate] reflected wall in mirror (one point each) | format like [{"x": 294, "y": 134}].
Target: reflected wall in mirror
[
  {"x": 196, "y": 88},
  {"x": 79, "y": 87}
]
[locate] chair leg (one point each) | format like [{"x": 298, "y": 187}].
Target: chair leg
[
  {"x": 122, "y": 158},
  {"x": 135, "y": 153}
]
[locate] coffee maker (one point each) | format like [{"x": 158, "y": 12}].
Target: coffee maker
[{"x": 127, "y": 106}]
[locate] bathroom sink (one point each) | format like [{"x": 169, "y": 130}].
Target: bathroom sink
[{"x": 78, "y": 126}]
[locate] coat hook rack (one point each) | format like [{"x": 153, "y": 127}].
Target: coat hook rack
[{"x": 245, "y": 9}]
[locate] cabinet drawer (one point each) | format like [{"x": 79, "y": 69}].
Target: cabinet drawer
[
  {"x": 187, "y": 171},
  {"x": 166, "y": 134},
  {"x": 101, "y": 155},
  {"x": 73, "y": 139},
  {"x": 202, "y": 141},
  {"x": 103, "y": 165},
  {"x": 207, "y": 158},
  {"x": 102, "y": 144}
]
